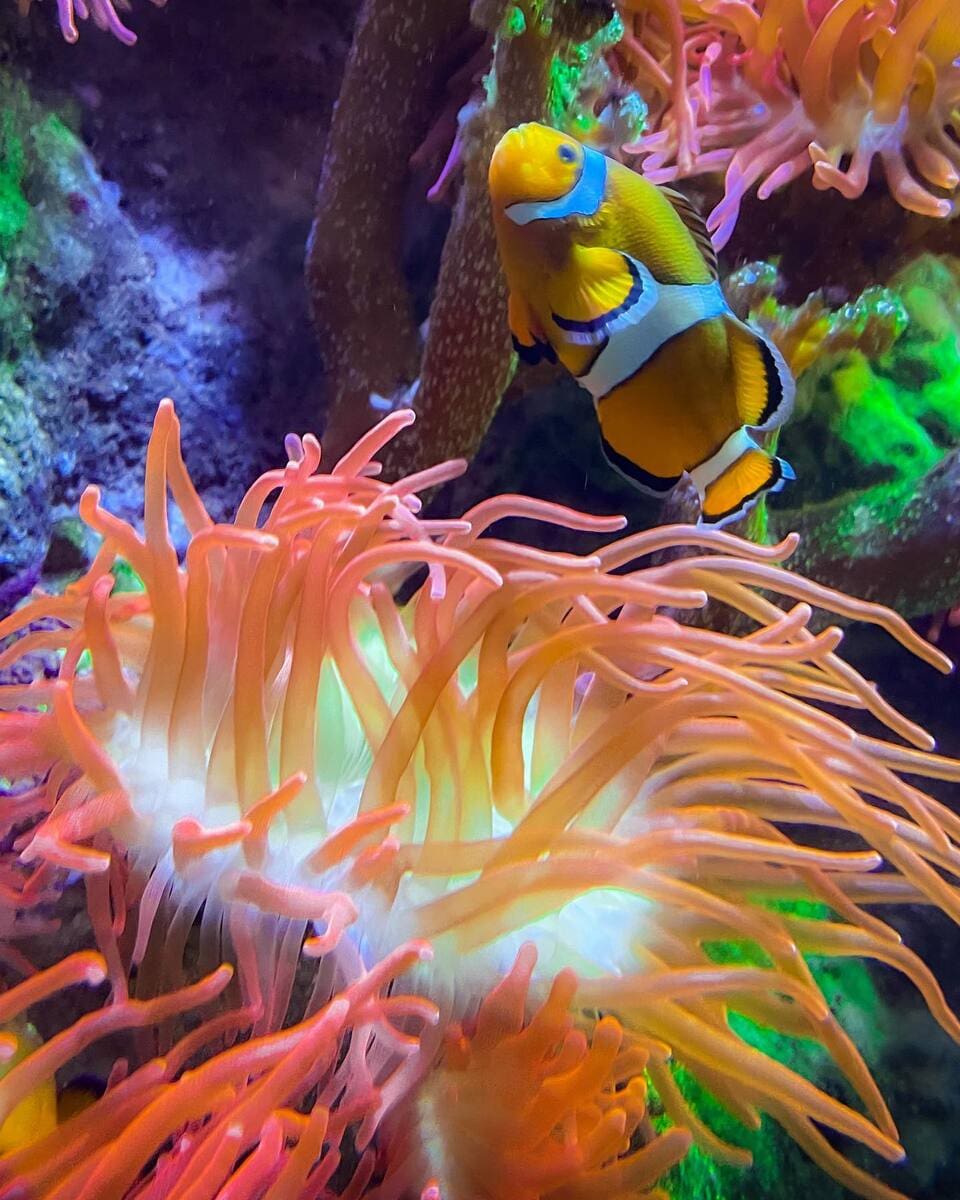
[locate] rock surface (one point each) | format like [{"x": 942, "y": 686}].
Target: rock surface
[{"x": 168, "y": 192}]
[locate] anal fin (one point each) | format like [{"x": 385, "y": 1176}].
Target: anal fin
[{"x": 764, "y": 385}]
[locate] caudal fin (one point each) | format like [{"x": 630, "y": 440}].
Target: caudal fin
[{"x": 737, "y": 489}]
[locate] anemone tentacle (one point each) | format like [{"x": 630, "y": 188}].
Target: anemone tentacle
[{"x": 535, "y": 765}]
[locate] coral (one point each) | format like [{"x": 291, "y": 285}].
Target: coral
[
  {"x": 24, "y": 449},
  {"x": 583, "y": 97},
  {"x": 875, "y": 440},
  {"x": 117, "y": 290},
  {"x": 14, "y": 209},
  {"x": 470, "y": 60},
  {"x": 468, "y": 358},
  {"x": 768, "y": 91},
  {"x": 813, "y": 331},
  {"x": 265, "y": 755},
  {"x": 24, "y": 496},
  {"x": 354, "y": 267}
]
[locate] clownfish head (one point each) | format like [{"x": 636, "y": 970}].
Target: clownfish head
[{"x": 538, "y": 173}]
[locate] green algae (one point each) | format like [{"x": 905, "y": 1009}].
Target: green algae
[
  {"x": 34, "y": 145},
  {"x": 875, "y": 441},
  {"x": 15, "y": 326},
  {"x": 577, "y": 72},
  {"x": 127, "y": 578},
  {"x": 514, "y": 22},
  {"x": 876, "y": 398},
  {"x": 877, "y": 423},
  {"x": 579, "y": 87},
  {"x": 14, "y": 208}
]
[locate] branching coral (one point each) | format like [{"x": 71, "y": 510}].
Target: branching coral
[
  {"x": 765, "y": 90},
  {"x": 532, "y": 765},
  {"x": 814, "y": 331},
  {"x": 354, "y": 264}
]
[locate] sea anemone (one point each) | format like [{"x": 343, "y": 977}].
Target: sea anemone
[
  {"x": 103, "y": 13},
  {"x": 531, "y": 794},
  {"x": 766, "y": 90}
]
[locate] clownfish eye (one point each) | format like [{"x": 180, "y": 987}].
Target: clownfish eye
[{"x": 566, "y": 153}]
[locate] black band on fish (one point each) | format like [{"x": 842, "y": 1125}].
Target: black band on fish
[
  {"x": 595, "y": 324},
  {"x": 774, "y": 383},
  {"x": 588, "y": 365},
  {"x": 655, "y": 485},
  {"x": 538, "y": 352},
  {"x": 582, "y": 200},
  {"x": 765, "y": 387}
]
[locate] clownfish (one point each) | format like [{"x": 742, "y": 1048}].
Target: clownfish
[
  {"x": 617, "y": 278},
  {"x": 36, "y": 1114}
]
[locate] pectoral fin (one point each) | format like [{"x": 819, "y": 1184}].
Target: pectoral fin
[{"x": 602, "y": 291}]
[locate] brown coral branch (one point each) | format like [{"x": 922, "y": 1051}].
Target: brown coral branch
[
  {"x": 468, "y": 358},
  {"x": 359, "y": 299}
]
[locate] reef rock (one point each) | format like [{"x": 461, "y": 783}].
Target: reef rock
[
  {"x": 876, "y": 444},
  {"x": 149, "y": 246}
]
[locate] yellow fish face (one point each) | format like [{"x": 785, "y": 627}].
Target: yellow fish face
[{"x": 532, "y": 164}]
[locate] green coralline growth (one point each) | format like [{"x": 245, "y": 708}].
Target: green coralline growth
[
  {"x": 47, "y": 194},
  {"x": 50, "y": 200},
  {"x": 581, "y": 91},
  {"x": 14, "y": 209},
  {"x": 875, "y": 441},
  {"x": 14, "y": 213},
  {"x": 23, "y": 492}
]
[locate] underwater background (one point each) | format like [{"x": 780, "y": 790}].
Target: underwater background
[{"x": 277, "y": 214}]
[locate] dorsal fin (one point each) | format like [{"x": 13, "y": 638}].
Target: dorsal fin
[{"x": 689, "y": 214}]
